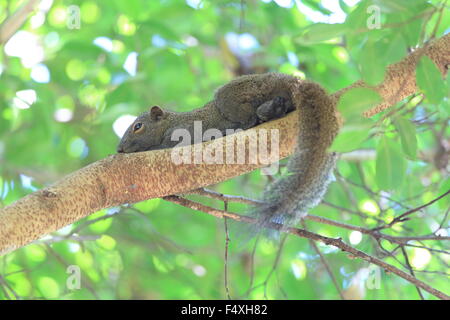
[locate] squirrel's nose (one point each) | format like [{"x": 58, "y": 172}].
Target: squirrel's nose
[{"x": 120, "y": 149}]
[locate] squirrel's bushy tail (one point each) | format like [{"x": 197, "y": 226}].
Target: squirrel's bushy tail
[{"x": 310, "y": 168}]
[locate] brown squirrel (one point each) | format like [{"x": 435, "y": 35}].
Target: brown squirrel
[{"x": 243, "y": 103}]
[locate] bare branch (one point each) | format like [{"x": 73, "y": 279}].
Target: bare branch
[
  {"x": 403, "y": 216},
  {"x": 325, "y": 264},
  {"x": 374, "y": 233},
  {"x": 313, "y": 236},
  {"x": 405, "y": 255},
  {"x": 10, "y": 26}
]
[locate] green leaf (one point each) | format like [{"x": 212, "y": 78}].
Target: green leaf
[
  {"x": 316, "y": 6},
  {"x": 429, "y": 80},
  {"x": 444, "y": 109},
  {"x": 344, "y": 6},
  {"x": 390, "y": 165},
  {"x": 398, "y": 5},
  {"x": 443, "y": 188},
  {"x": 321, "y": 32},
  {"x": 411, "y": 31},
  {"x": 350, "y": 138},
  {"x": 393, "y": 48},
  {"x": 49, "y": 287},
  {"x": 371, "y": 63},
  {"x": 357, "y": 100},
  {"x": 357, "y": 19},
  {"x": 407, "y": 132}
]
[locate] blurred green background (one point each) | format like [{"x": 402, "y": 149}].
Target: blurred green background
[{"x": 74, "y": 75}]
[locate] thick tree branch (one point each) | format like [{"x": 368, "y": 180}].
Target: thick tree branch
[
  {"x": 400, "y": 78},
  {"x": 130, "y": 178}
]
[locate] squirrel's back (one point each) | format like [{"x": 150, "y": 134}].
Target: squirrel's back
[{"x": 239, "y": 99}]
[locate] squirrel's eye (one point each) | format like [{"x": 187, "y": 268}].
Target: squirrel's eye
[{"x": 137, "y": 127}]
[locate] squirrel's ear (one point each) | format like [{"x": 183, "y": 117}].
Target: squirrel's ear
[{"x": 156, "y": 113}]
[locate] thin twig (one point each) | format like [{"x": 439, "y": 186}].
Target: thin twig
[
  {"x": 374, "y": 233},
  {"x": 227, "y": 241},
  {"x": 275, "y": 264},
  {"x": 310, "y": 235},
  {"x": 402, "y": 217},
  {"x": 438, "y": 22},
  {"x": 396, "y": 239},
  {"x": 252, "y": 268},
  {"x": 325, "y": 264},
  {"x": 405, "y": 255},
  {"x": 223, "y": 197},
  {"x": 85, "y": 282}
]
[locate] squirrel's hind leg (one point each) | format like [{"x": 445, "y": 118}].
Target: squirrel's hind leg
[{"x": 273, "y": 109}]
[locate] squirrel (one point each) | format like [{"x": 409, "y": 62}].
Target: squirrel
[{"x": 243, "y": 103}]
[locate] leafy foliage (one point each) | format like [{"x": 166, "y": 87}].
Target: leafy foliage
[{"x": 61, "y": 112}]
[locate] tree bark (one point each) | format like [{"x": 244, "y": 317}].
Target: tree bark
[
  {"x": 10, "y": 26},
  {"x": 130, "y": 178}
]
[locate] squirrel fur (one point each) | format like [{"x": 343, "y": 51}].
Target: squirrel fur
[{"x": 243, "y": 103}]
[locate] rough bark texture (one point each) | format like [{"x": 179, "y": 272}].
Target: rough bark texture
[
  {"x": 130, "y": 178},
  {"x": 120, "y": 179},
  {"x": 400, "y": 78}
]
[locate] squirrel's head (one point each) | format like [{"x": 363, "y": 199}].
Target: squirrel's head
[{"x": 145, "y": 133}]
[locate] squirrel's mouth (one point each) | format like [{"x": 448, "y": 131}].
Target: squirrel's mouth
[{"x": 134, "y": 148}]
